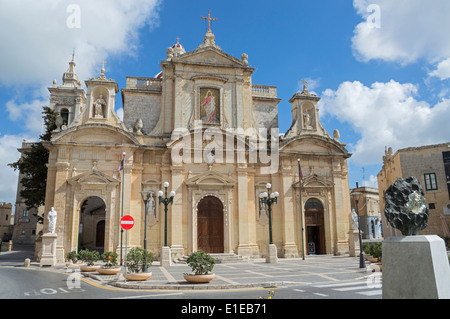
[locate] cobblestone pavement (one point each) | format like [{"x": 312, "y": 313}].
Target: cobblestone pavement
[{"x": 246, "y": 274}]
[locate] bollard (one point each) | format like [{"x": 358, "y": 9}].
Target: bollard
[
  {"x": 27, "y": 262},
  {"x": 10, "y": 244}
]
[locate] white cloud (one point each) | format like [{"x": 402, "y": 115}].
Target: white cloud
[
  {"x": 386, "y": 114},
  {"x": 372, "y": 182},
  {"x": 40, "y": 36},
  {"x": 409, "y": 30},
  {"x": 442, "y": 70},
  {"x": 28, "y": 115},
  {"x": 9, "y": 177}
]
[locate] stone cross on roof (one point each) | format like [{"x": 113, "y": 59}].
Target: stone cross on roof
[{"x": 209, "y": 20}]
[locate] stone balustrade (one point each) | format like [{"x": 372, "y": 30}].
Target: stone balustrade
[
  {"x": 142, "y": 83},
  {"x": 264, "y": 91}
]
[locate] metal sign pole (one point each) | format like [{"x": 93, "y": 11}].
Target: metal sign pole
[{"x": 126, "y": 245}]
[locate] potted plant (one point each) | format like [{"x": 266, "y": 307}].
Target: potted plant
[
  {"x": 138, "y": 260},
  {"x": 201, "y": 264},
  {"x": 89, "y": 257},
  {"x": 110, "y": 267},
  {"x": 72, "y": 259}
]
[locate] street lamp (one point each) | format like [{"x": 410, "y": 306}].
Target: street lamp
[
  {"x": 268, "y": 199},
  {"x": 362, "y": 263},
  {"x": 166, "y": 201},
  {"x": 147, "y": 197}
]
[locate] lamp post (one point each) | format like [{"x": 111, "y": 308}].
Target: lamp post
[
  {"x": 166, "y": 201},
  {"x": 362, "y": 263},
  {"x": 268, "y": 199},
  {"x": 147, "y": 197}
]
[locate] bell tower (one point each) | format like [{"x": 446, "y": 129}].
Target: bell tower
[
  {"x": 67, "y": 99},
  {"x": 101, "y": 100},
  {"x": 305, "y": 114}
]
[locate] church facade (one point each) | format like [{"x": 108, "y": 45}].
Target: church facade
[{"x": 206, "y": 132}]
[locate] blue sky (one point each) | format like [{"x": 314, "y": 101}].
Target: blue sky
[{"x": 383, "y": 74}]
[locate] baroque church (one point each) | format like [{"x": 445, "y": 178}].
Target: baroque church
[{"x": 172, "y": 139}]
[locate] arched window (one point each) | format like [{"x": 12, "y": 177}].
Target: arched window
[{"x": 65, "y": 116}]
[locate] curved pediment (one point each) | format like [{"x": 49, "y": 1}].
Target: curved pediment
[
  {"x": 210, "y": 178},
  {"x": 308, "y": 144},
  {"x": 95, "y": 134}
]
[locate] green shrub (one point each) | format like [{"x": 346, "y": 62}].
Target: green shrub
[
  {"x": 110, "y": 259},
  {"x": 88, "y": 256},
  {"x": 373, "y": 249},
  {"x": 200, "y": 262},
  {"x": 138, "y": 259},
  {"x": 72, "y": 256}
]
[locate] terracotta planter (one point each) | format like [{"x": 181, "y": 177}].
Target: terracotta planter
[
  {"x": 85, "y": 268},
  {"x": 199, "y": 279},
  {"x": 109, "y": 271},
  {"x": 138, "y": 276}
]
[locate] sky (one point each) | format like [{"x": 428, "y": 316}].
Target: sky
[{"x": 380, "y": 67}]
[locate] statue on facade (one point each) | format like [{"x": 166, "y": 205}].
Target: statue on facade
[
  {"x": 307, "y": 119},
  {"x": 406, "y": 208},
  {"x": 51, "y": 217},
  {"x": 354, "y": 220},
  {"x": 98, "y": 107}
]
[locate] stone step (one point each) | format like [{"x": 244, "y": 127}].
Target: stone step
[{"x": 228, "y": 258}]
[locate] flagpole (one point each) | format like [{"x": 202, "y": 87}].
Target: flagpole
[
  {"x": 300, "y": 175},
  {"x": 121, "y": 214}
]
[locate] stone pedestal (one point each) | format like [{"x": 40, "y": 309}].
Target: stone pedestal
[
  {"x": 272, "y": 257},
  {"x": 48, "y": 257},
  {"x": 353, "y": 240},
  {"x": 166, "y": 257},
  {"x": 415, "y": 267}
]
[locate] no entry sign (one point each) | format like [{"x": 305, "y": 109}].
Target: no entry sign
[{"x": 127, "y": 222}]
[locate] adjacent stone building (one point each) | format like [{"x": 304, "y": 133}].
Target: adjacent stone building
[
  {"x": 26, "y": 227},
  {"x": 430, "y": 164},
  {"x": 369, "y": 211},
  {"x": 6, "y": 219},
  {"x": 202, "y": 126}
]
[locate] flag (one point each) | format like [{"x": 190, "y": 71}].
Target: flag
[
  {"x": 300, "y": 170},
  {"x": 121, "y": 164}
]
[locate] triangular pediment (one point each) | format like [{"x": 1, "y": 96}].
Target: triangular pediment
[
  {"x": 93, "y": 177},
  {"x": 210, "y": 56},
  {"x": 315, "y": 180},
  {"x": 210, "y": 178}
]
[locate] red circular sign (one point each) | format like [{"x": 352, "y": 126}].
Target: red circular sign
[{"x": 127, "y": 222}]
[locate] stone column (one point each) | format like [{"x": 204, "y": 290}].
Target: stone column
[
  {"x": 176, "y": 220},
  {"x": 247, "y": 244},
  {"x": 289, "y": 248}
]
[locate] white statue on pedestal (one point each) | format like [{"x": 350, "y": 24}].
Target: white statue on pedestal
[{"x": 52, "y": 221}]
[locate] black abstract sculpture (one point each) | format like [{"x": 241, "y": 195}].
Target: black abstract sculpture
[{"x": 406, "y": 208}]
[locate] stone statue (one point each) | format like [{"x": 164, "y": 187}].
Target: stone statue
[
  {"x": 51, "y": 217},
  {"x": 138, "y": 126},
  {"x": 98, "y": 107},
  {"x": 336, "y": 135},
  {"x": 307, "y": 119},
  {"x": 354, "y": 219},
  {"x": 406, "y": 208}
]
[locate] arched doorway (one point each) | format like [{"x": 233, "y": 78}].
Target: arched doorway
[
  {"x": 210, "y": 225},
  {"x": 92, "y": 224},
  {"x": 315, "y": 227}
]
